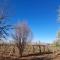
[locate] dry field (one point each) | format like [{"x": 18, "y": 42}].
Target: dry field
[{"x": 31, "y": 52}]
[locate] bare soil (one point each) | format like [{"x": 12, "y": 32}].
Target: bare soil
[
  {"x": 57, "y": 57},
  {"x": 37, "y": 57},
  {"x": 41, "y": 57}
]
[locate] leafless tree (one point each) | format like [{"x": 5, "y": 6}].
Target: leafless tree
[
  {"x": 22, "y": 36},
  {"x": 3, "y": 15},
  {"x": 4, "y": 29}
]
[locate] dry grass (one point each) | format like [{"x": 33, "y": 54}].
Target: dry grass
[{"x": 11, "y": 52}]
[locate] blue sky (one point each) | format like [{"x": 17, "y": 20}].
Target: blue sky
[{"x": 41, "y": 16}]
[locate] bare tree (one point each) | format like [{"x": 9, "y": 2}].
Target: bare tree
[
  {"x": 3, "y": 15},
  {"x": 22, "y": 36},
  {"x": 3, "y": 27}
]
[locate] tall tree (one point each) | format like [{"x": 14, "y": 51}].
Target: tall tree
[{"x": 22, "y": 36}]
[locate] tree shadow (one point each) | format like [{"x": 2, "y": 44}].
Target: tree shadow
[
  {"x": 34, "y": 58},
  {"x": 44, "y": 58}
]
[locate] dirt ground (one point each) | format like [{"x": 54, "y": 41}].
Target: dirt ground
[
  {"x": 57, "y": 57},
  {"x": 41, "y": 57},
  {"x": 37, "y": 58}
]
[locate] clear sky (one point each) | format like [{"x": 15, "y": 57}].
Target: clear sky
[{"x": 41, "y": 16}]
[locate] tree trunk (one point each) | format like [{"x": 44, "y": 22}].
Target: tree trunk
[
  {"x": 33, "y": 50},
  {"x": 44, "y": 48},
  {"x": 20, "y": 51},
  {"x": 39, "y": 49}
]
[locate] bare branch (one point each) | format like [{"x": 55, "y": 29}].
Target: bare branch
[{"x": 22, "y": 36}]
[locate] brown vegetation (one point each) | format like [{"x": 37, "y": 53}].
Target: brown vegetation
[{"x": 10, "y": 51}]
